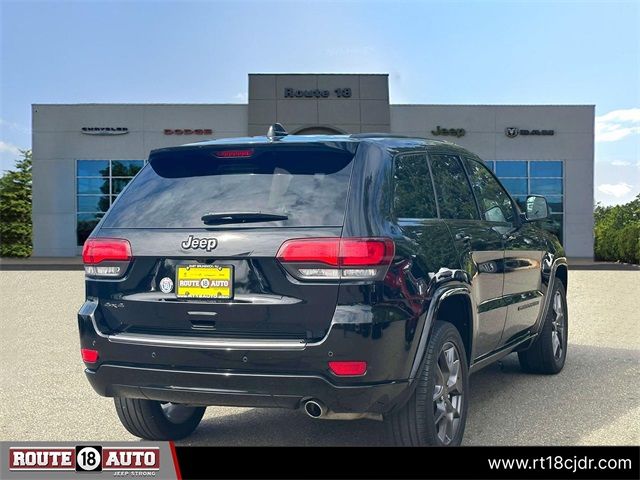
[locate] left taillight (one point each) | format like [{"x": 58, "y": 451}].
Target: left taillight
[
  {"x": 106, "y": 257},
  {"x": 89, "y": 355}
]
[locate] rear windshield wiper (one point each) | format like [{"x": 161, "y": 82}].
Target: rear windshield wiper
[{"x": 241, "y": 217}]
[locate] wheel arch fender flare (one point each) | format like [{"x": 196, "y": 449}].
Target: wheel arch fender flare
[
  {"x": 440, "y": 295},
  {"x": 558, "y": 272}
]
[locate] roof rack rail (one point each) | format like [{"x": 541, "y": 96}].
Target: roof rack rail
[{"x": 377, "y": 135}]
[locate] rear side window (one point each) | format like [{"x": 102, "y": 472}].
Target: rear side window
[
  {"x": 307, "y": 185},
  {"x": 455, "y": 197},
  {"x": 413, "y": 190}
]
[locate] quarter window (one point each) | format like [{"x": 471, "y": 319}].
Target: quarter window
[
  {"x": 98, "y": 183},
  {"x": 494, "y": 202},
  {"x": 455, "y": 197},
  {"x": 413, "y": 190}
]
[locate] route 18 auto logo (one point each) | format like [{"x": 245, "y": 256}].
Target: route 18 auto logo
[{"x": 123, "y": 461}]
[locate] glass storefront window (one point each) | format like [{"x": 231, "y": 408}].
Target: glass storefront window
[
  {"x": 93, "y": 168},
  {"x": 545, "y": 186},
  {"x": 511, "y": 169},
  {"x": 555, "y": 203},
  {"x": 125, "y": 168},
  {"x": 515, "y": 186},
  {"x": 535, "y": 177},
  {"x": 93, "y": 203},
  {"x": 545, "y": 169},
  {"x": 96, "y": 190},
  {"x": 92, "y": 185}
]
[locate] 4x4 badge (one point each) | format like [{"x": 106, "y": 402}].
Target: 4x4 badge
[{"x": 207, "y": 244}]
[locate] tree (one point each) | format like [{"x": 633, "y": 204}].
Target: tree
[
  {"x": 617, "y": 232},
  {"x": 15, "y": 209}
]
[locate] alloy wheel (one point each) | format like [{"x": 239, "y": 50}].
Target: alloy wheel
[
  {"x": 558, "y": 326},
  {"x": 448, "y": 393}
]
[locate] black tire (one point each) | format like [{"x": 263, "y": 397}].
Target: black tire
[
  {"x": 414, "y": 424},
  {"x": 543, "y": 356},
  {"x": 153, "y": 420}
]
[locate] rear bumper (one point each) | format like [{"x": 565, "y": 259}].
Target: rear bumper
[
  {"x": 251, "y": 373},
  {"x": 237, "y": 389}
]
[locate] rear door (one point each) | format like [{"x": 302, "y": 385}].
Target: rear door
[
  {"x": 205, "y": 225},
  {"x": 479, "y": 244},
  {"x": 427, "y": 239}
]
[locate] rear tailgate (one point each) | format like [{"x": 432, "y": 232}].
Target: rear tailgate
[
  {"x": 160, "y": 215},
  {"x": 266, "y": 303}
]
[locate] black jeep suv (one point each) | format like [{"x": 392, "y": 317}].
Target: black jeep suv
[{"x": 351, "y": 276}]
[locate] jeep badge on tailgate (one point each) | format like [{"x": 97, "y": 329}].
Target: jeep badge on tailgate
[{"x": 207, "y": 244}]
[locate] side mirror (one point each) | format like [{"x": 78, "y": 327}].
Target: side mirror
[{"x": 537, "y": 208}]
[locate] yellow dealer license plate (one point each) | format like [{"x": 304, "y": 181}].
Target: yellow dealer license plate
[{"x": 204, "y": 281}]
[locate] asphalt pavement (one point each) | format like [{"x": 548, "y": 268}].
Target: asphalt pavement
[{"x": 595, "y": 400}]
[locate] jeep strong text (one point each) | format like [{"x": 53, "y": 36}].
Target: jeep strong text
[{"x": 350, "y": 276}]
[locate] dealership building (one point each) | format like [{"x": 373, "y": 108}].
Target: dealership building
[{"x": 84, "y": 154}]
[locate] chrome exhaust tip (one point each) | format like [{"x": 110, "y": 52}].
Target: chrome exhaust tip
[{"x": 314, "y": 408}]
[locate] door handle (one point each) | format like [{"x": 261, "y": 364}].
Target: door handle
[{"x": 463, "y": 237}]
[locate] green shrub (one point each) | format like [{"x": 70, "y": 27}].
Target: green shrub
[
  {"x": 617, "y": 232},
  {"x": 628, "y": 243}
]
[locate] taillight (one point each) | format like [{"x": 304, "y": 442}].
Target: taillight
[
  {"x": 106, "y": 257},
  {"x": 337, "y": 258},
  {"x": 310, "y": 250},
  {"x": 89, "y": 355},
  {"x": 349, "y": 369},
  {"x": 366, "y": 251}
]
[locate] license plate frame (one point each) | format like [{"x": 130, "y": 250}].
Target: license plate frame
[{"x": 210, "y": 273}]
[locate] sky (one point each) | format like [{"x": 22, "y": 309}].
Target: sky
[{"x": 473, "y": 52}]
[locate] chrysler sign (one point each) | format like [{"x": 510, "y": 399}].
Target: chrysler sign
[{"x": 104, "y": 130}]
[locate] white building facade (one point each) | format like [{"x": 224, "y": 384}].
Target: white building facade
[{"x": 84, "y": 154}]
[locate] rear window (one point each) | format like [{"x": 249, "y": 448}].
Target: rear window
[{"x": 308, "y": 185}]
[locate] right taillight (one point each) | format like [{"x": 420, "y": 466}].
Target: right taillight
[
  {"x": 337, "y": 258},
  {"x": 106, "y": 257}
]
